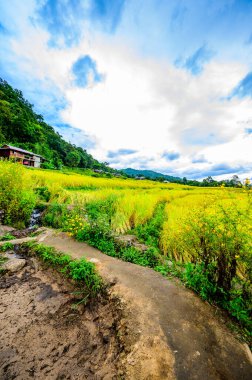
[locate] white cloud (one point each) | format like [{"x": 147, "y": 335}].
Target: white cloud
[
  {"x": 151, "y": 106},
  {"x": 144, "y": 104}
]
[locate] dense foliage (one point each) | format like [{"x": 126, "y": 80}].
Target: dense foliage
[
  {"x": 17, "y": 199},
  {"x": 150, "y": 174},
  {"x": 22, "y": 127}
]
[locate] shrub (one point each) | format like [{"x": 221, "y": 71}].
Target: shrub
[
  {"x": 198, "y": 278},
  {"x": 149, "y": 232},
  {"x": 55, "y": 215},
  {"x": 43, "y": 193},
  {"x": 17, "y": 198},
  {"x": 219, "y": 238}
]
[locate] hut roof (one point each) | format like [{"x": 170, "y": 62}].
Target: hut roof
[{"x": 19, "y": 150}]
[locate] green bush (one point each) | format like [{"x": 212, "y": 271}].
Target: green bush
[
  {"x": 43, "y": 193},
  {"x": 149, "y": 232},
  {"x": 101, "y": 209},
  {"x": 55, "y": 215},
  {"x": 17, "y": 198},
  {"x": 198, "y": 278},
  {"x": 221, "y": 238},
  {"x": 101, "y": 237}
]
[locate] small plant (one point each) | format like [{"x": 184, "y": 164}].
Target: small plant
[
  {"x": 43, "y": 193},
  {"x": 149, "y": 232},
  {"x": 55, "y": 216},
  {"x": 6, "y": 247},
  {"x": 83, "y": 298},
  {"x": 198, "y": 278},
  {"x": 7, "y": 237},
  {"x": 81, "y": 271}
]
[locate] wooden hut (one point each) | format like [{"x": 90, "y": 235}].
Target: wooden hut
[{"x": 22, "y": 156}]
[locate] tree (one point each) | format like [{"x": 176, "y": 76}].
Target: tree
[
  {"x": 73, "y": 158},
  {"x": 235, "y": 181}
]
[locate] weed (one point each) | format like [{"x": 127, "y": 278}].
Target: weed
[
  {"x": 149, "y": 233},
  {"x": 6, "y": 246},
  {"x": 7, "y": 237},
  {"x": 43, "y": 193},
  {"x": 81, "y": 271}
]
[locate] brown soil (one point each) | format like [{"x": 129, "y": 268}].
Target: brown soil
[{"x": 43, "y": 336}]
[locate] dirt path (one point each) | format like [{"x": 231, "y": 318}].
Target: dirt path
[
  {"x": 172, "y": 333},
  {"x": 42, "y": 336}
]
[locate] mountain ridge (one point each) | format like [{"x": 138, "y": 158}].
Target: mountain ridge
[{"x": 151, "y": 174}]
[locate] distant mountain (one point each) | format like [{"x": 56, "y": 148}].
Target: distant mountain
[{"x": 150, "y": 174}]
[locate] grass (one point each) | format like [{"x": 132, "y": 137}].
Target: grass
[
  {"x": 6, "y": 246},
  {"x": 81, "y": 271},
  {"x": 7, "y": 236}
]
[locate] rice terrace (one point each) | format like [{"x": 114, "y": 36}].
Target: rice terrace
[
  {"x": 125, "y": 190},
  {"x": 201, "y": 236}
]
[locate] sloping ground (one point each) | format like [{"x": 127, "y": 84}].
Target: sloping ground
[
  {"x": 172, "y": 333},
  {"x": 43, "y": 337}
]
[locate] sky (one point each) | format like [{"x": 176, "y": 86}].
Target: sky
[{"x": 147, "y": 84}]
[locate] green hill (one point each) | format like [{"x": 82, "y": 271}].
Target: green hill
[
  {"x": 150, "y": 174},
  {"x": 22, "y": 127}
]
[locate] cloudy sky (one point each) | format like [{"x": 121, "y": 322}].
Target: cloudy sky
[{"x": 150, "y": 84}]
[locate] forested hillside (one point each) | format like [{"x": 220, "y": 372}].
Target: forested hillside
[
  {"x": 150, "y": 174},
  {"x": 22, "y": 127}
]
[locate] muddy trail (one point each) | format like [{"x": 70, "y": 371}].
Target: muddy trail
[{"x": 45, "y": 335}]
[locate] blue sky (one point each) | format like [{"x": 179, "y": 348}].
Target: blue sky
[{"x": 162, "y": 85}]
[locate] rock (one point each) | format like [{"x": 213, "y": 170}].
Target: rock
[
  {"x": 169, "y": 263},
  {"x": 35, "y": 264},
  {"x": 141, "y": 247},
  {"x": 126, "y": 240},
  {"x": 14, "y": 265},
  {"x": 19, "y": 234},
  {"x": 5, "y": 229},
  {"x": 94, "y": 260},
  {"x": 9, "y": 253},
  {"x": 130, "y": 241}
]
